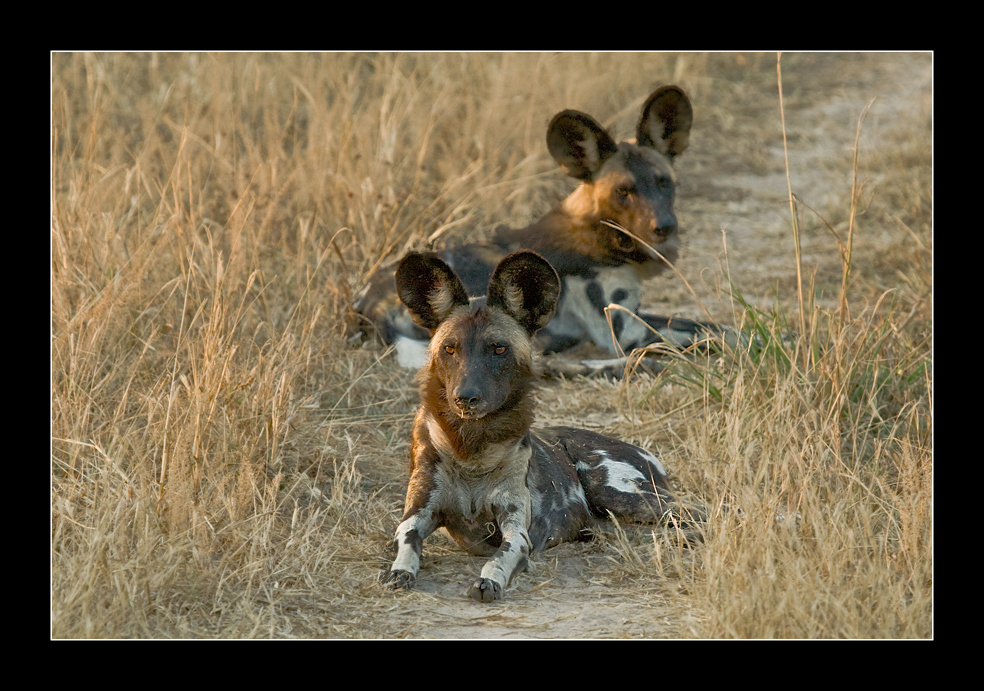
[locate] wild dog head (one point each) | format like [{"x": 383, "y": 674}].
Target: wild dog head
[
  {"x": 481, "y": 359},
  {"x": 630, "y": 183}
]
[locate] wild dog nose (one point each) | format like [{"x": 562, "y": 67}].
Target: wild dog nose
[
  {"x": 467, "y": 397},
  {"x": 664, "y": 227}
]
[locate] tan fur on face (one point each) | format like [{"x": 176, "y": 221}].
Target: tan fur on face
[
  {"x": 590, "y": 202},
  {"x": 508, "y": 331},
  {"x": 501, "y": 329}
]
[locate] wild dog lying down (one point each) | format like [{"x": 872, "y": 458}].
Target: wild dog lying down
[
  {"x": 629, "y": 185},
  {"x": 477, "y": 468}
]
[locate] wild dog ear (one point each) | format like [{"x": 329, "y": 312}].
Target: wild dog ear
[
  {"x": 579, "y": 144},
  {"x": 527, "y": 288},
  {"x": 429, "y": 289},
  {"x": 666, "y": 121}
]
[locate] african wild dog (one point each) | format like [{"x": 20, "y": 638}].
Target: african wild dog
[
  {"x": 629, "y": 185},
  {"x": 477, "y": 468}
]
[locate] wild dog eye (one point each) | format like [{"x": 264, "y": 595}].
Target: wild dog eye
[
  {"x": 623, "y": 193},
  {"x": 449, "y": 349},
  {"x": 499, "y": 349}
]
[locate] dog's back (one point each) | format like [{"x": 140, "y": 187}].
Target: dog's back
[{"x": 577, "y": 475}]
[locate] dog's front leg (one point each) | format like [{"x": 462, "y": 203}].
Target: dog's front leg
[
  {"x": 513, "y": 554},
  {"x": 421, "y": 515},
  {"x": 410, "y": 536}
]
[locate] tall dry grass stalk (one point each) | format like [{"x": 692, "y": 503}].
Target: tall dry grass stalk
[
  {"x": 834, "y": 487},
  {"x": 225, "y": 463},
  {"x": 821, "y": 444}
]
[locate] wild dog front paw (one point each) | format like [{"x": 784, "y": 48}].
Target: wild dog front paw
[
  {"x": 485, "y": 590},
  {"x": 398, "y": 578}
]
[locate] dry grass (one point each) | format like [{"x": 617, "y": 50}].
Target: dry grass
[{"x": 226, "y": 464}]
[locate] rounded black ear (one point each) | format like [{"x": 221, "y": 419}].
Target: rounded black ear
[
  {"x": 527, "y": 288},
  {"x": 666, "y": 121},
  {"x": 579, "y": 144},
  {"x": 429, "y": 289}
]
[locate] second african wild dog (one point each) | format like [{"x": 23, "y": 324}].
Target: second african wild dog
[
  {"x": 628, "y": 184},
  {"x": 477, "y": 467}
]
